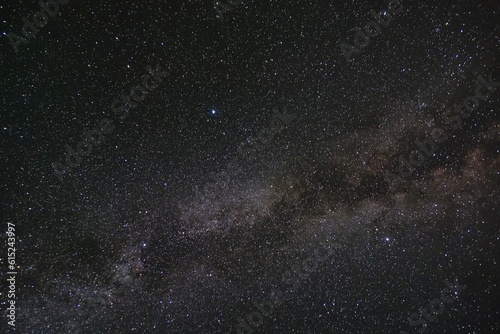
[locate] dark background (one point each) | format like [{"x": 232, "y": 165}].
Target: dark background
[{"x": 122, "y": 245}]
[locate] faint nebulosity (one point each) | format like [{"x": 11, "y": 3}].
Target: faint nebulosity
[{"x": 152, "y": 232}]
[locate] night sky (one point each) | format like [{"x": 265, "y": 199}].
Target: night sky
[{"x": 251, "y": 166}]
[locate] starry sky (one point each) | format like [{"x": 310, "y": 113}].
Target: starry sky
[{"x": 258, "y": 148}]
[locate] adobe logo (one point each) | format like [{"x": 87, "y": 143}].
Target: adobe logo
[{"x": 40, "y": 20}]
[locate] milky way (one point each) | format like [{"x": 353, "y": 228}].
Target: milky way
[{"x": 266, "y": 184}]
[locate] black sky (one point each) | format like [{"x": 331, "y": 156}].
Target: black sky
[{"x": 138, "y": 239}]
